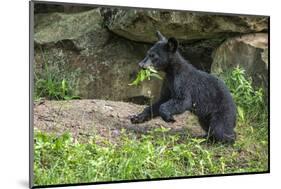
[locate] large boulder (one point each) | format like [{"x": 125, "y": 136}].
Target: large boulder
[
  {"x": 55, "y": 27},
  {"x": 103, "y": 74},
  {"x": 141, "y": 25},
  {"x": 250, "y": 52}
]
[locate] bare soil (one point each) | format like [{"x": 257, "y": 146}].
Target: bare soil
[{"x": 106, "y": 119}]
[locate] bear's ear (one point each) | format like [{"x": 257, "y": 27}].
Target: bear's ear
[
  {"x": 160, "y": 36},
  {"x": 172, "y": 44}
]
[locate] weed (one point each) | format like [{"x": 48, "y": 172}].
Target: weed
[
  {"x": 52, "y": 83},
  {"x": 249, "y": 101}
]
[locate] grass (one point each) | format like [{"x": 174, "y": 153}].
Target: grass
[
  {"x": 52, "y": 82},
  {"x": 61, "y": 159}
]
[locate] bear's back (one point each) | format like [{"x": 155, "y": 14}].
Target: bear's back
[{"x": 209, "y": 94}]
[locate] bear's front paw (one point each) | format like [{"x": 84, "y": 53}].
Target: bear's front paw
[
  {"x": 137, "y": 118},
  {"x": 168, "y": 119}
]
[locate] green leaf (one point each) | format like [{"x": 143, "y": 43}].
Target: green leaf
[
  {"x": 241, "y": 113},
  {"x": 145, "y": 74},
  {"x": 156, "y": 75}
]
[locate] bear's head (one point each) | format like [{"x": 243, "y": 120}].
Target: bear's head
[{"x": 160, "y": 54}]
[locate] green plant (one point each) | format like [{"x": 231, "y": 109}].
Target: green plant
[
  {"x": 249, "y": 101},
  {"x": 144, "y": 74},
  {"x": 53, "y": 84},
  {"x": 54, "y": 89}
]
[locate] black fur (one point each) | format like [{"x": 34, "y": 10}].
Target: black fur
[{"x": 186, "y": 88}]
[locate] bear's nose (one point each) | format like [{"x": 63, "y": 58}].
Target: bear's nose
[
  {"x": 145, "y": 63},
  {"x": 141, "y": 64}
]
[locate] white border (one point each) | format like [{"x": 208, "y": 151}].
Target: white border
[{"x": 15, "y": 83}]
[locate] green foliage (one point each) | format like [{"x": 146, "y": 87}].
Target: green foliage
[
  {"x": 52, "y": 84},
  {"x": 54, "y": 89},
  {"x": 61, "y": 159},
  {"x": 144, "y": 74},
  {"x": 249, "y": 101}
]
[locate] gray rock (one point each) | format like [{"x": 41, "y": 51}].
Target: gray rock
[
  {"x": 141, "y": 25},
  {"x": 55, "y": 27}
]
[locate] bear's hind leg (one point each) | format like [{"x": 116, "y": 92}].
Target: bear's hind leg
[
  {"x": 204, "y": 123},
  {"x": 221, "y": 130}
]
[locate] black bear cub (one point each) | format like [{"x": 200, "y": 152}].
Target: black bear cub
[{"x": 186, "y": 88}]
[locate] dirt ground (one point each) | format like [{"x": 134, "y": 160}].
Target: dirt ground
[{"x": 86, "y": 118}]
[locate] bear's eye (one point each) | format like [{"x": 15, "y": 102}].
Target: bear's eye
[{"x": 151, "y": 55}]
